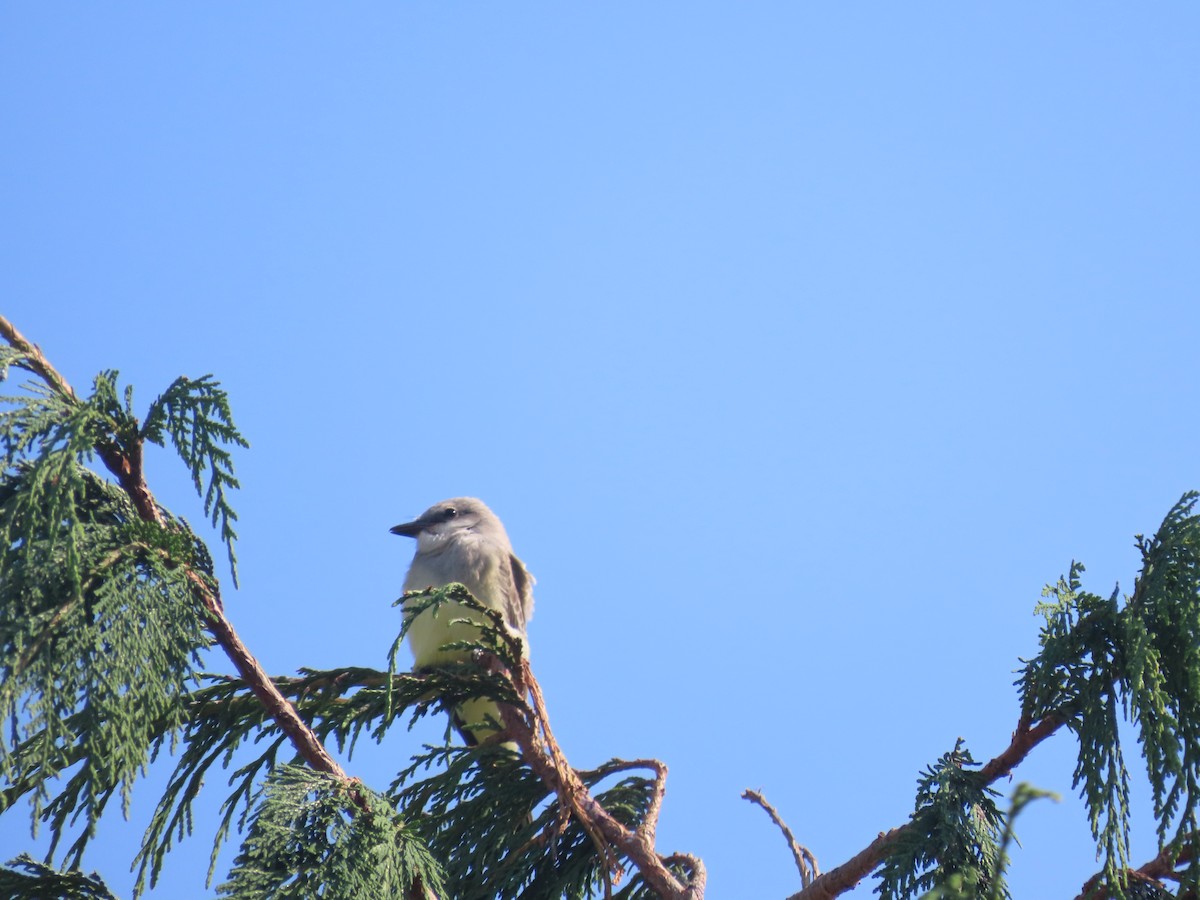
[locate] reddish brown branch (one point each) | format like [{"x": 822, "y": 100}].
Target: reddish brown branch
[
  {"x": 649, "y": 827},
  {"x": 278, "y": 707},
  {"x": 806, "y": 863},
  {"x": 1169, "y": 859},
  {"x": 1024, "y": 739},
  {"x": 34, "y": 361},
  {"x": 572, "y": 792},
  {"x": 1164, "y": 867},
  {"x": 695, "y": 866},
  {"x": 127, "y": 467},
  {"x": 847, "y": 876},
  {"x": 545, "y": 757},
  {"x": 844, "y": 878}
]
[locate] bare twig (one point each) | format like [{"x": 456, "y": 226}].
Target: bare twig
[
  {"x": 844, "y": 877},
  {"x": 806, "y": 863}
]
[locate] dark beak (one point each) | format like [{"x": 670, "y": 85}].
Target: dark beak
[{"x": 409, "y": 529}]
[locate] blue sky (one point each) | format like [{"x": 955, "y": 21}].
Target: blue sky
[{"x": 797, "y": 346}]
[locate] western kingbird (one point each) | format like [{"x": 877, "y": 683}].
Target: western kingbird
[{"x": 461, "y": 540}]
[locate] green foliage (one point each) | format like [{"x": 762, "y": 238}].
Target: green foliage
[
  {"x": 52, "y": 436},
  {"x": 1102, "y": 662},
  {"x": 477, "y": 812},
  {"x": 959, "y": 886},
  {"x": 195, "y": 414},
  {"x": 99, "y": 634},
  {"x": 308, "y": 838},
  {"x": 224, "y": 716},
  {"x": 9, "y": 357},
  {"x": 100, "y": 623},
  {"x": 972, "y": 883},
  {"x": 1024, "y": 794},
  {"x": 471, "y": 805},
  {"x": 954, "y": 834},
  {"x": 26, "y": 879}
]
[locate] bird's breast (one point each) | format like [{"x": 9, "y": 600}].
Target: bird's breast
[{"x": 469, "y": 563}]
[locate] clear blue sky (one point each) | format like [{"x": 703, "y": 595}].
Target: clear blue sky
[{"x": 797, "y": 346}]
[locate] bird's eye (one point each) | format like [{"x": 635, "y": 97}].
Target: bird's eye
[{"x": 450, "y": 512}]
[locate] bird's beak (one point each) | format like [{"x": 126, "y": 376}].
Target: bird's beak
[{"x": 409, "y": 529}]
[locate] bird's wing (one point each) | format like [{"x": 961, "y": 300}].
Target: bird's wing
[{"x": 518, "y": 607}]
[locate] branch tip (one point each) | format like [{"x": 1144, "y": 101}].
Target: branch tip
[{"x": 806, "y": 862}]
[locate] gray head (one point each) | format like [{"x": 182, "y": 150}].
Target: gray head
[{"x": 453, "y": 519}]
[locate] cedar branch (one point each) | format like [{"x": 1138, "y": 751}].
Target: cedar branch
[
  {"x": 845, "y": 877},
  {"x": 126, "y": 465}
]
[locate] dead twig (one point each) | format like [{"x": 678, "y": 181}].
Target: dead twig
[{"x": 806, "y": 863}]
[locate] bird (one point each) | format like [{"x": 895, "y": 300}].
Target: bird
[{"x": 461, "y": 540}]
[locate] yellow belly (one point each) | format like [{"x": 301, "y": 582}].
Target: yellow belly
[
  {"x": 428, "y": 634},
  {"x": 433, "y": 629}
]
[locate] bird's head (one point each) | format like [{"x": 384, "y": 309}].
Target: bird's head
[{"x": 450, "y": 519}]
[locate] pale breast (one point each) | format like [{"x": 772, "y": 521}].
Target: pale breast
[{"x": 474, "y": 564}]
